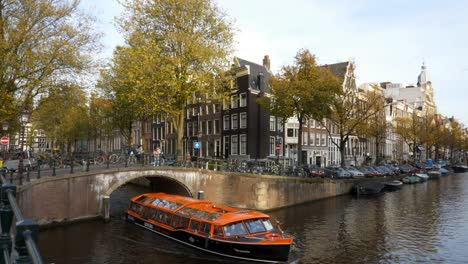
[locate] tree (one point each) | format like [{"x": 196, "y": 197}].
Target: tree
[
  {"x": 416, "y": 130},
  {"x": 376, "y": 126},
  {"x": 62, "y": 115},
  {"x": 303, "y": 90},
  {"x": 174, "y": 49},
  {"x": 350, "y": 110},
  {"x": 41, "y": 41}
]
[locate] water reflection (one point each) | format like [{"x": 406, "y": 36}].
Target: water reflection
[{"x": 421, "y": 223}]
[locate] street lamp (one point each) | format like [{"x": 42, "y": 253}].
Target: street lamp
[
  {"x": 394, "y": 154},
  {"x": 4, "y": 128},
  {"x": 23, "y": 120}
]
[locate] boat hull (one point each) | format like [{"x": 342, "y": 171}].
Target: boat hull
[
  {"x": 393, "y": 186},
  {"x": 460, "y": 169},
  {"x": 239, "y": 249}
]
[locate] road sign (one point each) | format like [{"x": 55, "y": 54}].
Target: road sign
[
  {"x": 196, "y": 145},
  {"x": 200, "y": 134},
  {"x": 278, "y": 147},
  {"x": 4, "y": 140}
]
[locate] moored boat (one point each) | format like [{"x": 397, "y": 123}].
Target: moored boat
[
  {"x": 392, "y": 185},
  {"x": 368, "y": 188},
  {"x": 433, "y": 174},
  {"x": 423, "y": 176},
  {"x": 411, "y": 179},
  {"x": 222, "y": 230},
  {"x": 460, "y": 168}
]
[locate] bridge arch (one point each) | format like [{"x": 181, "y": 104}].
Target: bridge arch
[{"x": 156, "y": 183}]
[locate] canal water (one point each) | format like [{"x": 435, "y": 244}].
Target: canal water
[{"x": 421, "y": 223}]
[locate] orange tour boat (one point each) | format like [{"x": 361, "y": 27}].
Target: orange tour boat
[{"x": 218, "y": 229}]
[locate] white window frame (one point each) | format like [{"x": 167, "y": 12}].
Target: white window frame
[
  {"x": 234, "y": 101},
  {"x": 272, "y": 146},
  {"x": 234, "y": 121},
  {"x": 243, "y": 144},
  {"x": 226, "y": 122},
  {"x": 234, "y": 145},
  {"x": 242, "y": 99},
  {"x": 272, "y": 123},
  {"x": 243, "y": 120}
]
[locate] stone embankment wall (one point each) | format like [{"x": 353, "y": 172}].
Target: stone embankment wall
[{"x": 80, "y": 196}]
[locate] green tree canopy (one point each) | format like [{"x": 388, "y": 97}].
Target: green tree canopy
[
  {"x": 174, "y": 49},
  {"x": 41, "y": 41},
  {"x": 304, "y": 90}
]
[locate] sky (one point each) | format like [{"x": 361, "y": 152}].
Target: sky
[{"x": 387, "y": 39}]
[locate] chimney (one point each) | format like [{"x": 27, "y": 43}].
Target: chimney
[{"x": 266, "y": 62}]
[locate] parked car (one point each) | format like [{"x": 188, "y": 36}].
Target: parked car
[
  {"x": 315, "y": 171},
  {"x": 354, "y": 172},
  {"x": 29, "y": 161},
  {"x": 366, "y": 171}
]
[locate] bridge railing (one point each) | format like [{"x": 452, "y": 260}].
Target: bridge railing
[{"x": 17, "y": 245}]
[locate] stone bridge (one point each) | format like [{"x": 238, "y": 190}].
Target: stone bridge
[{"x": 83, "y": 195}]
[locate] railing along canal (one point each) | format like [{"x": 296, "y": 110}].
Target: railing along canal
[{"x": 17, "y": 245}]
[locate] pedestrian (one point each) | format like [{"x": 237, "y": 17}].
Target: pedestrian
[{"x": 157, "y": 156}]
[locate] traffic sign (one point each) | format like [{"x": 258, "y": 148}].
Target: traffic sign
[
  {"x": 200, "y": 134},
  {"x": 4, "y": 140},
  {"x": 278, "y": 147},
  {"x": 196, "y": 145}
]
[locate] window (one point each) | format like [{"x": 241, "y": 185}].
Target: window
[
  {"x": 272, "y": 123},
  {"x": 215, "y": 108},
  {"x": 243, "y": 120},
  {"x": 209, "y": 127},
  {"x": 234, "y": 145},
  {"x": 235, "y": 121},
  {"x": 243, "y": 144},
  {"x": 226, "y": 145},
  {"x": 236, "y": 229},
  {"x": 234, "y": 101},
  {"x": 194, "y": 224},
  {"x": 312, "y": 123},
  {"x": 255, "y": 226},
  {"x": 317, "y": 139},
  {"x": 203, "y": 127},
  {"x": 243, "y": 99},
  {"x": 218, "y": 231},
  {"x": 272, "y": 146},
  {"x": 205, "y": 228},
  {"x": 304, "y": 138},
  {"x": 311, "y": 139},
  {"x": 279, "y": 125},
  {"x": 216, "y": 126},
  {"x": 323, "y": 140},
  {"x": 290, "y": 132},
  {"x": 226, "y": 122}
]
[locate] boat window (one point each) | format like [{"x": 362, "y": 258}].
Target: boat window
[
  {"x": 202, "y": 215},
  {"x": 145, "y": 212},
  {"x": 167, "y": 218},
  {"x": 176, "y": 221},
  {"x": 149, "y": 200},
  {"x": 174, "y": 206},
  {"x": 156, "y": 201},
  {"x": 154, "y": 214},
  {"x": 255, "y": 226},
  {"x": 205, "y": 227},
  {"x": 235, "y": 229},
  {"x": 184, "y": 222},
  {"x": 189, "y": 211},
  {"x": 213, "y": 217},
  {"x": 267, "y": 224},
  {"x": 218, "y": 231},
  {"x": 194, "y": 224},
  {"x": 141, "y": 198}
]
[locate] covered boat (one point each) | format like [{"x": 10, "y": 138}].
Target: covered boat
[
  {"x": 222, "y": 230},
  {"x": 411, "y": 179}
]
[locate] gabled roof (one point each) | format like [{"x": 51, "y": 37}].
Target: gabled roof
[
  {"x": 338, "y": 69},
  {"x": 255, "y": 70}
]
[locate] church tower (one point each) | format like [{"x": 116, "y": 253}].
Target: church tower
[{"x": 425, "y": 85}]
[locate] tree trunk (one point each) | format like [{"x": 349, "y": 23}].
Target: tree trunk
[
  {"x": 377, "y": 145},
  {"x": 299, "y": 141},
  {"x": 342, "y": 152},
  {"x": 179, "y": 126}
]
